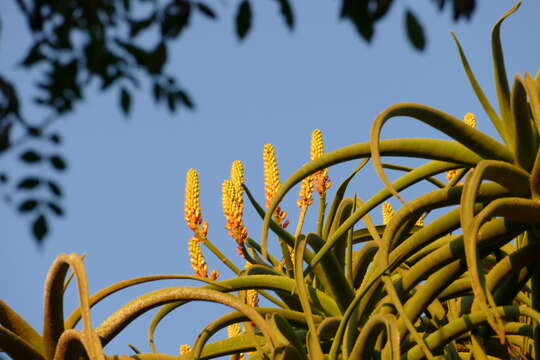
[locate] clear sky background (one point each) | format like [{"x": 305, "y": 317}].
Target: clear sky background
[{"x": 124, "y": 186}]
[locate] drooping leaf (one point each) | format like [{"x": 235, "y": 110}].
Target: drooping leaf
[
  {"x": 54, "y": 188},
  {"x": 40, "y": 227},
  {"x": 28, "y": 183},
  {"x": 58, "y": 162},
  {"x": 186, "y": 99},
  {"x": 55, "y": 139},
  {"x": 286, "y": 11},
  {"x": 243, "y": 19},
  {"x": 206, "y": 11},
  {"x": 136, "y": 26},
  {"x": 31, "y": 157},
  {"x": 415, "y": 31},
  {"x": 28, "y": 205},
  {"x": 55, "y": 208},
  {"x": 125, "y": 100},
  {"x": 34, "y": 55}
]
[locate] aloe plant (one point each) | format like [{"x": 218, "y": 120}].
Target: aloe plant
[{"x": 451, "y": 274}]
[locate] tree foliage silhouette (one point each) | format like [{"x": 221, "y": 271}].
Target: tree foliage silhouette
[{"x": 75, "y": 43}]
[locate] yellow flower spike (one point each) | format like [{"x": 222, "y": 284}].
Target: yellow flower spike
[
  {"x": 317, "y": 144},
  {"x": 252, "y": 297},
  {"x": 237, "y": 173},
  {"x": 214, "y": 275},
  {"x": 272, "y": 182},
  {"x": 470, "y": 119},
  {"x": 192, "y": 207},
  {"x": 233, "y": 209},
  {"x": 450, "y": 174},
  {"x": 387, "y": 212},
  {"x": 233, "y": 330},
  {"x": 320, "y": 178},
  {"x": 198, "y": 263},
  {"x": 306, "y": 193},
  {"x": 271, "y": 173},
  {"x": 184, "y": 349}
]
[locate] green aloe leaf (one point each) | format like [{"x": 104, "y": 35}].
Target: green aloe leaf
[
  {"x": 499, "y": 70},
  {"x": 479, "y": 92}
]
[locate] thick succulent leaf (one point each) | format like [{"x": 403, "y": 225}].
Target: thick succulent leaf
[
  {"x": 518, "y": 209},
  {"x": 525, "y": 147},
  {"x": 75, "y": 316},
  {"x": 313, "y": 342},
  {"x": 423, "y": 148},
  {"x": 460, "y": 326},
  {"x": 53, "y": 323},
  {"x": 438, "y": 183},
  {"x": 479, "y": 92},
  {"x": 333, "y": 279},
  {"x": 371, "y": 331},
  {"x": 534, "y": 99},
  {"x": 236, "y": 317},
  {"x": 127, "y": 313},
  {"x": 494, "y": 233},
  {"x": 269, "y": 282},
  {"x": 511, "y": 265},
  {"x": 413, "y": 177},
  {"x": 16, "y": 347},
  {"x": 340, "y": 193},
  {"x": 478, "y": 142},
  {"x": 499, "y": 70},
  {"x": 13, "y": 322},
  {"x": 510, "y": 176}
]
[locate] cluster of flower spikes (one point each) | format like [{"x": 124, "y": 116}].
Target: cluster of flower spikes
[
  {"x": 272, "y": 183},
  {"x": 470, "y": 120},
  {"x": 193, "y": 217},
  {"x": 233, "y": 205}
]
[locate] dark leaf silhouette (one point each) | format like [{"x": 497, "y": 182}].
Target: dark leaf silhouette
[
  {"x": 184, "y": 97},
  {"x": 125, "y": 100},
  {"x": 137, "y": 26},
  {"x": 208, "y": 12},
  {"x": 31, "y": 156},
  {"x": 57, "y": 210},
  {"x": 28, "y": 205},
  {"x": 176, "y": 18},
  {"x": 29, "y": 183},
  {"x": 243, "y": 19},
  {"x": 58, "y": 162},
  {"x": 34, "y": 55},
  {"x": 287, "y": 13},
  {"x": 40, "y": 228},
  {"x": 415, "y": 32},
  {"x": 54, "y": 188},
  {"x": 55, "y": 139}
]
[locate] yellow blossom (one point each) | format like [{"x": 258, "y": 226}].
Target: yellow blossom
[
  {"x": 252, "y": 298},
  {"x": 192, "y": 207},
  {"x": 184, "y": 349},
  {"x": 272, "y": 182},
  {"x": 320, "y": 178},
  {"x": 387, "y": 212},
  {"x": 233, "y": 330},
  {"x": 198, "y": 263},
  {"x": 306, "y": 192},
  {"x": 233, "y": 208},
  {"x": 470, "y": 119}
]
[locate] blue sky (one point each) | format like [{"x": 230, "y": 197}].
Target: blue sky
[{"x": 124, "y": 187}]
